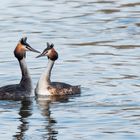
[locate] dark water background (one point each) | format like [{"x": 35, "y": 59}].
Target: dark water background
[{"x": 99, "y": 48}]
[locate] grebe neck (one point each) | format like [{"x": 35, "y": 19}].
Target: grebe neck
[
  {"x": 23, "y": 67},
  {"x": 47, "y": 73},
  {"x": 44, "y": 80},
  {"x": 25, "y": 80}
]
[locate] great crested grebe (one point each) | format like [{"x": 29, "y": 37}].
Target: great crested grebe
[
  {"x": 24, "y": 88},
  {"x": 45, "y": 86}
]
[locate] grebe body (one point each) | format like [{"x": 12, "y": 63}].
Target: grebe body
[
  {"x": 24, "y": 88},
  {"x": 45, "y": 86}
]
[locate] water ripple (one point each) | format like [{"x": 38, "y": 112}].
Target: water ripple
[{"x": 98, "y": 45}]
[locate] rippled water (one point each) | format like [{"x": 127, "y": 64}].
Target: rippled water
[{"x": 99, "y": 48}]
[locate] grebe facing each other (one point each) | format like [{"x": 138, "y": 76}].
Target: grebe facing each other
[
  {"x": 45, "y": 86},
  {"x": 24, "y": 88}
]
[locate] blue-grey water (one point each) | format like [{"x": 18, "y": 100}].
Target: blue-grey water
[{"x": 99, "y": 48}]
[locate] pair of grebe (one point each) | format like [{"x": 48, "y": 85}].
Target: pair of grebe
[{"x": 44, "y": 85}]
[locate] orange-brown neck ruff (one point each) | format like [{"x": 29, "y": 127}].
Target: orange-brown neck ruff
[
  {"x": 52, "y": 54},
  {"x": 19, "y": 51}
]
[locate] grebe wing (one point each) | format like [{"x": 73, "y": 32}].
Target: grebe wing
[
  {"x": 13, "y": 92},
  {"x": 60, "y": 85},
  {"x": 58, "y": 88},
  {"x": 9, "y": 88}
]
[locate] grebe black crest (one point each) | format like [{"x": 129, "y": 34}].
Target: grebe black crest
[
  {"x": 24, "y": 88},
  {"x": 45, "y": 86}
]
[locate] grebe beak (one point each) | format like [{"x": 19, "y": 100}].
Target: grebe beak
[
  {"x": 42, "y": 54},
  {"x": 28, "y": 47}
]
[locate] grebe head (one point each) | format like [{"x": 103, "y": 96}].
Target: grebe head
[
  {"x": 50, "y": 52},
  {"x": 22, "y": 47}
]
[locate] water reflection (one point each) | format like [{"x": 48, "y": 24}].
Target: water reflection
[
  {"x": 99, "y": 47},
  {"x": 25, "y": 112},
  {"x": 45, "y": 107}
]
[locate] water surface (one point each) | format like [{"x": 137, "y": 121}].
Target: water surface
[{"x": 99, "y": 48}]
